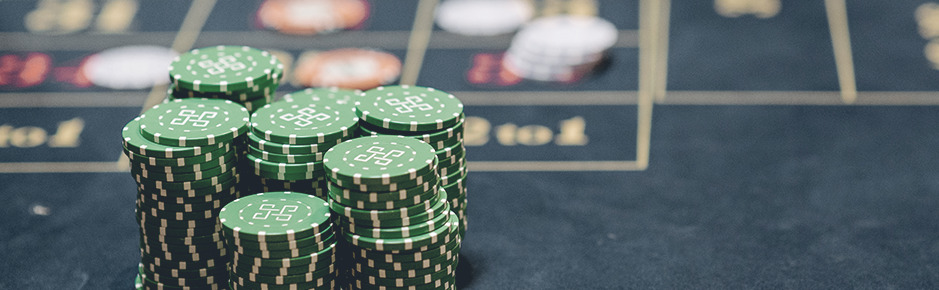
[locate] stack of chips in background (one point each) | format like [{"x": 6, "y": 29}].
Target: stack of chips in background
[
  {"x": 183, "y": 155},
  {"x": 288, "y": 139},
  {"x": 393, "y": 215},
  {"x": 242, "y": 74},
  {"x": 559, "y": 48},
  {"x": 280, "y": 240},
  {"x": 426, "y": 114}
]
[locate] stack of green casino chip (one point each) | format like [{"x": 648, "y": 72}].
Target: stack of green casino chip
[
  {"x": 183, "y": 155},
  {"x": 427, "y": 114},
  {"x": 393, "y": 216},
  {"x": 280, "y": 240},
  {"x": 242, "y": 74},
  {"x": 288, "y": 139}
]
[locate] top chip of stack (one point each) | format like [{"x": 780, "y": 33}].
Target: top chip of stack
[
  {"x": 183, "y": 157},
  {"x": 242, "y": 74},
  {"x": 280, "y": 240},
  {"x": 559, "y": 48},
  {"x": 288, "y": 138}
]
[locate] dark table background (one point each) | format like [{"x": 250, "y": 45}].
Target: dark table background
[{"x": 759, "y": 177}]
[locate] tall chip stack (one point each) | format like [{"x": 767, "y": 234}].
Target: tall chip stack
[
  {"x": 183, "y": 156},
  {"x": 399, "y": 229},
  {"x": 280, "y": 240},
  {"x": 288, "y": 139},
  {"x": 242, "y": 74},
  {"x": 427, "y": 114}
]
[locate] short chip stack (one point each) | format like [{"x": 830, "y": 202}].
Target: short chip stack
[
  {"x": 242, "y": 74},
  {"x": 280, "y": 240},
  {"x": 289, "y": 137},
  {"x": 427, "y": 114},
  {"x": 396, "y": 219},
  {"x": 559, "y": 48},
  {"x": 183, "y": 157}
]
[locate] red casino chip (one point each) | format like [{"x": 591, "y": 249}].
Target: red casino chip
[
  {"x": 308, "y": 17},
  {"x": 348, "y": 68}
]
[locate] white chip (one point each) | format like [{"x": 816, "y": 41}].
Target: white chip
[
  {"x": 129, "y": 67},
  {"x": 483, "y": 17}
]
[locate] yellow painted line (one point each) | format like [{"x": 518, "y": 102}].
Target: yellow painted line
[
  {"x": 661, "y": 61},
  {"x": 841, "y": 45},
  {"x": 417, "y": 43},
  {"x": 61, "y": 167},
  {"x": 648, "y": 20}
]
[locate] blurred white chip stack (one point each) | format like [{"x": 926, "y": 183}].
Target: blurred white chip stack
[{"x": 559, "y": 48}]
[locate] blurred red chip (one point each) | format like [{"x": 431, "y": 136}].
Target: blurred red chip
[
  {"x": 308, "y": 17},
  {"x": 348, "y": 68}
]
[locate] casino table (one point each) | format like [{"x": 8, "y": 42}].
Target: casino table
[{"x": 720, "y": 144}]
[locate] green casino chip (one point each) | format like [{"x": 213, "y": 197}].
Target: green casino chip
[
  {"x": 136, "y": 143},
  {"x": 166, "y": 279},
  {"x": 381, "y": 196},
  {"x": 178, "y": 232},
  {"x": 430, "y": 138},
  {"x": 187, "y": 207},
  {"x": 138, "y": 283},
  {"x": 442, "y": 206},
  {"x": 320, "y": 283},
  {"x": 327, "y": 254},
  {"x": 430, "y": 261},
  {"x": 398, "y": 232},
  {"x": 183, "y": 264},
  {"x": 183, "y": 256},
  {"x": 454, "y": 177},
  {"x": 207, "y": 160},
  {"x": 450, "y": 160},
  {"x": 274, "y": 147},
  {"x": 411, "y": 259},
  {"x": 444, "y": 265},
  {"x": 171, "y": 272},
  {"x": 151, "y": 245},
  {"x": 379, "y": 160},
  {"x": 452, "y": 169},
  {"x": 263, "y": 90},
  {"x": 325, "y": 273},
  {"x": 397, "y": 213},
  {"x": 225, "y": 196},
  {"x": 150, "y": 284},
  {"x": 194, "y": 122},
  {"x": 223, "y": 68},
  {"x": 436, "y": 278},
  {"x": 260, "y": 164},
  {"x": 145, "y": 219},
  {"x": 429, "y": 179},
  {"x": 176, "y": 177},
  {"x": 450, "y": 151},
  {"x": 289, "y": 253},
  {"x": 275, "y": 216},
  {"x": 283, "y": 246},
  {"x": 226, "y": 186},
  {"x": 286, "y": 271},
  {"x": 285, "y": 158},
  {"x": 147, "y": 183},
  {"x": 303, "y": 121},
  {"x": 383, "y": 205},
  {"x": 207, "y": 239},
  {"x": 432, "y": 238},
  {"x": 409, "y": 108}
]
